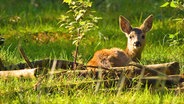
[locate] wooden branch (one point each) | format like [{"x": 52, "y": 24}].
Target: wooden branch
[
  {"x": 25, "y": 73},
  {"x": 170, "y": 68},
  {"x": 22, "y": 53},
  {"x": 135, "y": 69},
  {"x": 1, "y": 65}
]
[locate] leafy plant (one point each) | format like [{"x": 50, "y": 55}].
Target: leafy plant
[
  {"x": 174, "y": 4},
  {"x": 174, "y": 39},
  {"x": 78, "y": 20}
]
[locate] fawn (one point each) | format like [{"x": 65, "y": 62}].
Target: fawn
[{"x": 116, "y": 57}]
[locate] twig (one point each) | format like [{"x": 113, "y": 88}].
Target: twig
[
  {"x": 98, "y": 83},
  {"x": 121, "y": 84},
  {"x": 141, "y": 76},
  {"x": 1, "y": 64},
  {"x": 37, "y": 85},
  {"x": 24, "y": 56},
  {"x": 52, "y": 71}
]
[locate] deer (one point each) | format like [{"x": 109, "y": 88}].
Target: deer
[{"x": 136, "y": 40}]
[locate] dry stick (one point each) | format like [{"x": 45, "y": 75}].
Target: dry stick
[
  {"x": 37, "y": 85},
  {"x": 141, "y": 76},
  {"x": 76, "y": 50},
  {"x": 131, "y": 64},
  {"x": 98, "y": 83},
  {"x": 146, "y": 67},
  {"x": 25, "y": 73},
  {"x": 1, "y": 64},
  {"x": 121, "y": 83},
  {"x": 52, "y": 70},
  {"x": 25, "y": 57},
  {"x": 75, "y": 57}
]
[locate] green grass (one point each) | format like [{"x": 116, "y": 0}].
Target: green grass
[
  {"x": 41, "y": 17},
  {"x": 21, "y": 91}
]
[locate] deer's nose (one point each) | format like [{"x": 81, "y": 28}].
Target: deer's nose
[{"x": 137, "y": 44}]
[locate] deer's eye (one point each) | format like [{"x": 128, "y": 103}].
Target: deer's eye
[
  {"x": 130, "y": 37},
  {"x": 143, "y": 37}
]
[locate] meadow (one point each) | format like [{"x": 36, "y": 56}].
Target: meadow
[{"x": 34, "y": 25}]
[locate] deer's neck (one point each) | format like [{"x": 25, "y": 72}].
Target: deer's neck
[{"x": 134, "y": 54}]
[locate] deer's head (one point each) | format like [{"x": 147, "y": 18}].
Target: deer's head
[{"x": 136, "y": 35}]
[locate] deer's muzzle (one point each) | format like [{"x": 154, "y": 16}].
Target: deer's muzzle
[{"x": 137, "y": 44}]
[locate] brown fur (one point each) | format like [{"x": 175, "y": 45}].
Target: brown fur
[{"x": 116, "y": 57}]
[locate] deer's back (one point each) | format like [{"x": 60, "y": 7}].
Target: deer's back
[{"x": 113, "y": 57}]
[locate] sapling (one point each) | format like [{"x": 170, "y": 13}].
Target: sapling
[{"x": 78, "y": 20}]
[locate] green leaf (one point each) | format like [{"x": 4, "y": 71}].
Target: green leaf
[
  {"x": 178, "y": 19},
  {"x": 82, "y": 22},
  {"x": 173, "y": 4},
  {"x": 89, "y": 4},
  {"x": 78, "y": 16},
  {"x": 171, "y": 36},
  {"x": 67, "y": 1},
  {"x": 74, "y": 42},
  {"x": 165, "y": 4},
  {"x": 63, "y": 17}
]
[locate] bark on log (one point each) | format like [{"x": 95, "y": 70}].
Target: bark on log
[
  {"x": 170, "y": 68},
  {"x": 134, "y": 69},
  {"x": 45, "y": 63}
]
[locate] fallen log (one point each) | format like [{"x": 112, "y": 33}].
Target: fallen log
[
  {"x": 134, "y": 69},
  {"x": 170, "y": 68},
  {"x": 131, "y": 71}
]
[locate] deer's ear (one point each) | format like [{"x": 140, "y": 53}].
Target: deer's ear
[
  {"x": 147, "y": 24},
  {"x": 124, "y": 25}
]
